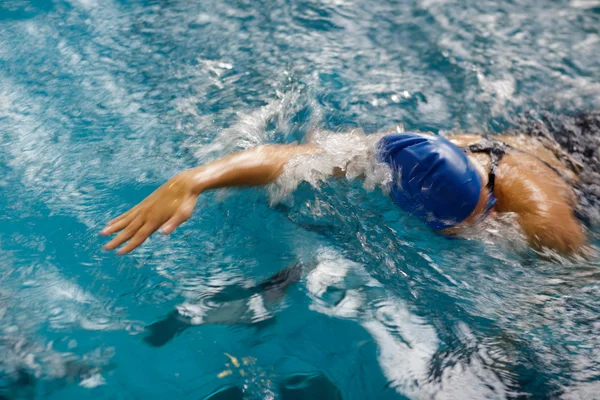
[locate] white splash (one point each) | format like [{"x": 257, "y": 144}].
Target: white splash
[
  {"x": 92, "y": 381},
  {"x": 354, "y": 153},
  {"x": 407, "y": 342},
  {"x": 585, "y": 3}
]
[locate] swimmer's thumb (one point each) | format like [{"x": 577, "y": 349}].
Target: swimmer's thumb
[{"x": 182, "y": 214}]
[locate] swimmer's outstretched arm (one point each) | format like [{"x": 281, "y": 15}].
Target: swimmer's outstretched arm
[{"x": 173, "y": 203}]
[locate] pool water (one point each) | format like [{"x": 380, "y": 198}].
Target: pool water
[{"x": 101, "y": 101}]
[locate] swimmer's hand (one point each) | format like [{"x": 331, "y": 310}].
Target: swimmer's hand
[
  {"x": 173, "y": 203},
  {"x": 168, "y": 207}
]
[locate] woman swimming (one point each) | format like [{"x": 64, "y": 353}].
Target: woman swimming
[{"x": 448, "y": 183}]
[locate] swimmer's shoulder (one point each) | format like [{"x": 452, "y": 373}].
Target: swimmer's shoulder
[{"x": 532, "y": 147}]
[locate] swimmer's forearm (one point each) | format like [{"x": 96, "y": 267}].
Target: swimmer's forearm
[
  {"x": 257, "y": 166},
  {"x": 173, "y": 203}
]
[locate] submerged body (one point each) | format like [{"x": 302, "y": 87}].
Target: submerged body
[{"x": 530, "y": 180}]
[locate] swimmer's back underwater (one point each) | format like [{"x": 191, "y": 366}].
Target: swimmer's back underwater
[{"x": 447, "y": 183}]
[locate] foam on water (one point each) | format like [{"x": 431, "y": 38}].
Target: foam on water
[
  {"x": 102, "y": 101},
  {"x": 353, "y": 153},
  {"x": 407, "y": 343}
]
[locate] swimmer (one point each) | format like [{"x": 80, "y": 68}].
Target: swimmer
[{"x": 447, "y": 183}]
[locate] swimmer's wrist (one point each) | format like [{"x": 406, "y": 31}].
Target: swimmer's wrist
[{"x": 194, "y": 179}]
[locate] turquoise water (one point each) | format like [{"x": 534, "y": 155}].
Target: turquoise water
[{"x": 102, "y": 100}]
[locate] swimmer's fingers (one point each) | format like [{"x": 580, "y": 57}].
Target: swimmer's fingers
[
  {"x": 126, "y": 234},
  {"x": 183, "y": 214},
  {"x": 120, "y": 224},
  {"x": 140, "y": 237},
  {"x": 122, "y": 216}
]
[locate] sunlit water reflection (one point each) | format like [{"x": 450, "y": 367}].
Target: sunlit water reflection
[{"x": 101, "y": 101}]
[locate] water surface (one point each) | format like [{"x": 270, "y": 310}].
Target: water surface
[{"x": 101, "y": 101}]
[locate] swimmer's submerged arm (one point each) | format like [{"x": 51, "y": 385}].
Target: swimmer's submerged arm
[{"x": 173, "y": 203}]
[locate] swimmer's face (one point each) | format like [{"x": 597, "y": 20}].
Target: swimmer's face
[
  {"x": 483, "y": 193},
  {"x": 482, "y": 203},
  {"x": 475, "y": 215}
]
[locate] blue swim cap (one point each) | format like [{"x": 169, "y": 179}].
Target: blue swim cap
[{"x": 433, "y": 178}]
